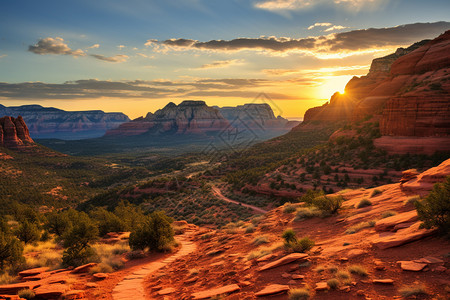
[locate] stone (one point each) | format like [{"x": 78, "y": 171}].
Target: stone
[
  {"x": 403, "y": 236},
  {"x": 33, "y": 272},
  {"x": 284, "y": 260},
  {"x": 393, "y": 221},
  {"x": 379, "y": 265},
  {"x": 51, "y": 291},
  {"x": 166, "y": 291},
  {"x": 15, "y": 287},
  {"x": 407, "y": 265},
  {"x": 272, "y": 289},
  {"x": 430, "y": 260},
  {"x": 321, "y": 286},
  {"x": 440, "y": 269},
  {"x": 266, "y": 257},
  {"x": 91, "y": 285},
  {"x": 383, "y": 281},
  {"x": 84, "y": 268},
  {"x": 285, "y": 275},
  {"x": 9, "y": 297},
  {"x": 100, "y": 276},
  {"x": 345, "y": 288},
  {"x": 297, "y": 277},
  {"x": 74, "y": 295},
  {"x": 355, "y": 253},
  {"x": 216, "y": 292}
]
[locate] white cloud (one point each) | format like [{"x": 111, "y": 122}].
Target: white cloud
[
  {"x": 335, "y": 27},
  {"x": 319, "y": 25},
  {"x": 54, "y": 46},
  {"x": 3, "y": 55},
  {"x": 121, "y": 47},
  {"x": 95, "y": 46},
  {"x": 289, "y": 5},
  {"x": 221, "y": 64}
]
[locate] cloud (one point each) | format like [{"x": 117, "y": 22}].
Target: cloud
[
  {"x": 3, "y": 55},
  {"x": 121, "y": 47},
  {"x": 220, "y": 64},
  {"x": 343, "y": 43},
  {"x": 139, "y": 89},
  {"x": 95, "y": 46},
  {"x": 335, "y": 27},
  {"x": 54, "y": 46},
  {"x": 319, "y": 25},
  {"x": 293, "y": 5},
  {"x": 115, "y": 59}
]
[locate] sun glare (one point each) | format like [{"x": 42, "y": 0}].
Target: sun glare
[{"x": 332, "y": 85}]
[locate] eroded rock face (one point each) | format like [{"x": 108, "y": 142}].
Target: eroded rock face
[
  {"x": 49, "y": 122},
  {"x": 409, "y": 91},
  {"x": 14, "y": 133}
]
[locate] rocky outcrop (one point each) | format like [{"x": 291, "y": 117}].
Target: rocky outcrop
[
  {"x": 189, "y": 117},
  {"x": 408, "y": 91},
  {"x": 197, "y": 118},
  {"x": 49, "y": 122},
  {"x": 14, "y": 133}
]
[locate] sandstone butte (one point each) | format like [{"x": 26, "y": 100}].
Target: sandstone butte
[
  {"x": 14, "y": 133},
  {"x": 408, "y": 92}
]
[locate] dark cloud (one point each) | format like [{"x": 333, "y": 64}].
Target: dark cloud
[
  {"x": 351, "y": 40},
  {"x": 93, "y": 88},
  {"x": 54, "y": 46},
  {"x": 114, "y": 59}
]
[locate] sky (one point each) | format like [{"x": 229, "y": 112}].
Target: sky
[{"x": 134, "y": 56}]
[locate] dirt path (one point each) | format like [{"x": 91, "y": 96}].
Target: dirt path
[
  {"x": 219, "y": 194},
  {"x": 132, "y": 285}
]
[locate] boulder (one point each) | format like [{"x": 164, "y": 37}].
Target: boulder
[
  {"x": 284, "y": 260},
  {"x": 391, "y": 222},
  {"x": 51, "y": 291},
  {"x": 216, "y": 292},
  {"x": 401, "y": 237},
  {"x": 272, "y": 289},
  {"x": 74, "y": 295},
  {"x": 321, "y": 286},
  {"x": 407, "y": 265},
  {"x": 383, "y": 281},
  {"x": 33, "y": 272},
  {"x": 15, "y": 287},
  {"x": 84, "y": 268},
  {"x": 100, "y": 276}
]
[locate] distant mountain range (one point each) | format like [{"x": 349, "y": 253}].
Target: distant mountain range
[
  {"x": 50, "y": 122},
  {"x": 195, "y": 118}
]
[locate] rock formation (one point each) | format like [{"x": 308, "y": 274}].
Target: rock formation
[
  {"x": 197, "y": 118},
  {"x": 408, "y": 91},
  {"x": 187, "y": 118},
  {"x": 49, "y": 122},
  {"x": 14, "y": 133}
]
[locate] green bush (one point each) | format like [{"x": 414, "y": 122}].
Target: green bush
[
  {"x": 364, "y": 203},
  {"x": 328, "y": 204},
  {"x": 11, "y": 250},
  {"x": 296, "y": 245},
  {"x": 26, "y": 294},
  {"x": 307, "y": 213},
  {"x": 289, "y": 208},
  {"x": 434, "y": 210},
  {"x": 155, "y": 233},
  {"x": 28, "y": 232}
]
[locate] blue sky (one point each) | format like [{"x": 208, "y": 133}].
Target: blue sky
[{"x": 118, "y": 55}]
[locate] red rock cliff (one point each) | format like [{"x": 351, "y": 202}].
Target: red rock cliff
[{"x": 14, "y": 133}]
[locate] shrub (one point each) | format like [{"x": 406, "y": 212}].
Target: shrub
[
  {"x": 364, "y": 203},
  {"x": 107, "y": 221},
  {"x": 28, "y": 232},
  {"x": 412, "y": 200},
  {"x": 310, "y": 195},
  {"x": 154, "y": 233},
  {"x": 6, "y": 278},
  {"x": 260, "y": 240},
  {"x": 289, "y": 208},
  {"x": 416, "y": 290},
  {"x": 258, "y": 254},
  {"x": 26, "y": 294},
  {"x": 388, "y": 214},
  {"x": 328, "y": 204},
  {"x": 101, "y": 268},
  {"x": 307, "y": 213},
  {"x": 434, "y": 210},
  {"x": 359, "y": 270},
  {"x": 342, "y": 274},
  {"x": 360, "y": 226},
  {"x": 375, "y": 193},
  {"x": 294, "y": 244},
  {"x": 319, "y": 269},
  {"x": 250, "y": 228},
  {"x": 299, "y": 294},
  {"x": 333, "y": 283},
  {"x": 11, "y": 250}
]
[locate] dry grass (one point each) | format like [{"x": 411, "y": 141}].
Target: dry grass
[
  {"x": 360, "y": 226},
  {"x": 388, "y": 214},
  {"x": 343, "y": 275},
  {"x": 26, "y": 294},
  {"x": 304, "y": 213},
  {"x": 299, "y": 294},
  {"x": 416, "y": 290},
  {"x": 259, "y": 240},
  {"x": 265, "y": 250},
  {"x": 358, "y": 269},
  {"x": 6, "y": 278},
  {"x": 333, "y": 283},
  {"x": 289, "y": 208},
  {"x": 364, "y": 203},
  {"x": 43, "y": 254},
  {"x": 101, "y": 268}
]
